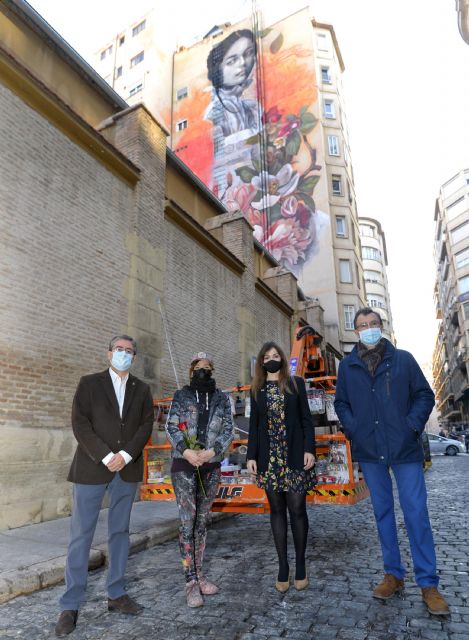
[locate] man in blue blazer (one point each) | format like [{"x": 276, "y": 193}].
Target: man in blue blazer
[{"x": 383, "y": 401}]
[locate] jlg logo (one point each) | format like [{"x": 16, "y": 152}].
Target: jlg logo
[{"x": 229, "y": 492}]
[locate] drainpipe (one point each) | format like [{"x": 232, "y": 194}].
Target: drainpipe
[{"x": 462, "y": 8}]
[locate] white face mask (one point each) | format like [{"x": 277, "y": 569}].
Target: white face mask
[
  {"x": 121, "y": 360},
  {"x": 370, "y": 336}
]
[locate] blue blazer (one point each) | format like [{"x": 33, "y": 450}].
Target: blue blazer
[{"x": 383, "y": 415}]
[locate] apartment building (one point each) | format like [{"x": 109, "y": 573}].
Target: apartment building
[
  {"x": 451, "y": 252},
  {"x": 256, "y": 111},
  {"x": 375, "y": 261}
]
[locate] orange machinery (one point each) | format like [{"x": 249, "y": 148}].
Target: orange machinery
[{"x": 240, "y": 493}]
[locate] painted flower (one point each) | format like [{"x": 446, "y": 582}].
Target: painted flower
[
  {"x": 182, "y": 426},
  {"x": 278, "y": 186},
  {"x": 303, "y": 214},
  {"x": 238, "y": 197},
  {"x": 289, "y": 207},
  {"x": 272, "y": 115},
  {"x": 287, "y": 241},
  {"x": 289, "y": 127}
]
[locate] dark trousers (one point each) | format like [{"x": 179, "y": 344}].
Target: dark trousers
[
  {"x": 87, "y": 500},
  {"x": 413, "y": 500}
]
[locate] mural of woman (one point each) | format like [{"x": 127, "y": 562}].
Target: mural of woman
[{"x": 230, "y": 64}]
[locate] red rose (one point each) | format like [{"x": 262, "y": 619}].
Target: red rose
[{"x": 182, "y": 426}]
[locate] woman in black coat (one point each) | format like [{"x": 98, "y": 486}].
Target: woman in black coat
[{"x": 281, "y": 454}]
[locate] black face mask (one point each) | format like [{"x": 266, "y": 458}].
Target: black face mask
[
  {"x": 272, "y": 366},
  {"x": 202, "y": 374}
]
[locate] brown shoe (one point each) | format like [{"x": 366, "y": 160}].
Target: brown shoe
[
  {"x": 193, "y": 595},
  {"x": 66, "y": 623},
  {"x": 388, "y": 587},
  {"x": 435, "y": 602},
  {"x": 124, "y": 604},
  {"x": 301, "y": 584}
]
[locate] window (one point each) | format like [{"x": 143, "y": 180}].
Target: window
[
  {"x": 322, "y": 42},
  {"x": 181, "y": 125},
  {"x": 140, "y": 27},
  {"x": 106, "y": 52},
  {"x": 181, "y": 93},
  {"x": 376, "y": 301},
  {"x": 349, "y": 314},
  {"x": 370, "y": 253},
  {"x": 457, "y": 207},
  {"x": 329, "y": 109},
  {"x": 325, "y": 75},
  {"x": 121, "y": 41},
  {"x": 466, "y": 310},
  {"x": 460, "y": 232},
  {"x": 463, "y": 284},
  {"x": 372, "y": 276},
  {"x": 340, "y": 226},
  {"x": 462, "y": 258},
  {"x": 118, "y": 72},
  {"x": 345, "y": 271},
  {"x": 367, "y": 230},
  {"x": 333, "y": 143},
  {"x": 337, "y": 185},
  {"x": 137, "y": 59},
  {"x": 135, "y": 88}
]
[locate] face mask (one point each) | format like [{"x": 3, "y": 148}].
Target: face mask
[
  {"x": 370, "y": 336},
  {"x": 202, "y": 374},
  {"x": 121, "y": 360},
  {"x": 272, "y": 366}
]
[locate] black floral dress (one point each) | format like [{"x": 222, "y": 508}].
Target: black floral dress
[{"x": 278, "y": 476}]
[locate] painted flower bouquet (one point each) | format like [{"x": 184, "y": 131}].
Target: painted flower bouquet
[{"x": 191, "y": 442}]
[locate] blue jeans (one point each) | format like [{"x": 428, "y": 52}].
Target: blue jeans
[
  {"x": 413, "y": 500},
  {"x": 87, "y": 499}
]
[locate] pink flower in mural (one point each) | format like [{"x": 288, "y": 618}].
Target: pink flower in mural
[
  {"x": 287, "y": 241},
  {"x": 238, "y": 197},
  {"x": 289, "y": 127},
  {"x": 289, "y": 207},
  {"x": 276, "y": 186},
  {"x": 272, "y": 115}
]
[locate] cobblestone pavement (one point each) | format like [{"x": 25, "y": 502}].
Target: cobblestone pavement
[{"x": 344, "y": 563}]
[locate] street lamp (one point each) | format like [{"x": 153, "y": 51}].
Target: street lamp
[{"x": 462, "y": 7}]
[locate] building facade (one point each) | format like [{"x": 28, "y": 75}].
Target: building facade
[
  {"x": 258, "y": 115},
  {"x": 375, "y": 261},
  {"x": 451, "y": 252}
]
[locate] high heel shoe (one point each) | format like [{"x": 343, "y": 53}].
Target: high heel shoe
[
  {"x": 301, "y": 584},
  {"x": 282, "y": 586}
]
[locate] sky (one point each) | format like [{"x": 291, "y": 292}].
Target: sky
[{"x": 407, "y": 101}]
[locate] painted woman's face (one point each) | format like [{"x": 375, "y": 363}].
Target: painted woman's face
[{"x": 238, "y": 62}]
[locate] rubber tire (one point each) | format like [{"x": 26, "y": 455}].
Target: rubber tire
[{"x": 451, "y": 450}]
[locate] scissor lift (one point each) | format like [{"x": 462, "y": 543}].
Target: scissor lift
[{"x": 240, "y": 494}]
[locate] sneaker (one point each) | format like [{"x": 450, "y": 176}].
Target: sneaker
[
  {"x": 388, "y": 587},
  {"x": 435, "y": 602},
  {"x": 193, "y": 595}
]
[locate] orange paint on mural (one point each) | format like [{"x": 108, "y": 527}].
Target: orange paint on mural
[
  {"x": 290, "y": 83},
  {"x": 194, "y": 145}
]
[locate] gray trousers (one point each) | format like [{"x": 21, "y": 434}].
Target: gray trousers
[{"x": 87, "y": 500}]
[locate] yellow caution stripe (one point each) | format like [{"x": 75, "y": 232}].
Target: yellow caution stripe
[
  {"x": 160, "y": 492},
  {"x": 338, "y": 492}
]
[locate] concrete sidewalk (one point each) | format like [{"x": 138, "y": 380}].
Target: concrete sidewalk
[{"x": 33, "y": 557}]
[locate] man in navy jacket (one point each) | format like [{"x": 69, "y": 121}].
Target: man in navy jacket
[{"x": 383, "y": 402}]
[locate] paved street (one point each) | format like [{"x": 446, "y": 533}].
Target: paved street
[{"x": 344, "y": 563}]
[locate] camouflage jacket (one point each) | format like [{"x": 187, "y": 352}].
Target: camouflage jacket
[{"x": 184, "y": 408}]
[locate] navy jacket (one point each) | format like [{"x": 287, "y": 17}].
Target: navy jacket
[
  {"x": 384, "y": 415},
  {"x": 298, "y": 422}
]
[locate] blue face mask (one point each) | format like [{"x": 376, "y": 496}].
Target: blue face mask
[
  {"x": 370, "y": 336},
  {"x": 121, "y": 360}
]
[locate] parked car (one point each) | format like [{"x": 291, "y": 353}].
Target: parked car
[{"x": 448, "y": 446}]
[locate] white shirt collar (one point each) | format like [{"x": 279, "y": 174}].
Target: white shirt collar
[{"x": 115, "y": 377}]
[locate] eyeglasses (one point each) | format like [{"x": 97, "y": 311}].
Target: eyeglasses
[
  {"x": 369, "y": 325},
  {"x": 121, "y": 349}
]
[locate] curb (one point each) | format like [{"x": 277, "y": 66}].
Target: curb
[{"x": 26, "y": 580}]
